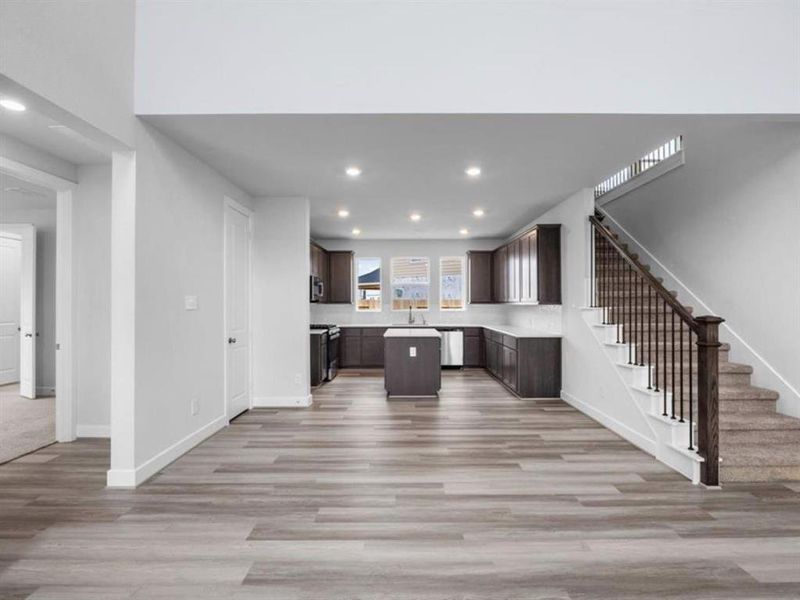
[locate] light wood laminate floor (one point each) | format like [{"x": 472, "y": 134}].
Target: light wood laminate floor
[{"x": 478, "y": 495}]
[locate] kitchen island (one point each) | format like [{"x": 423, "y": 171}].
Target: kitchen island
[{"x": 412, "y": 362}]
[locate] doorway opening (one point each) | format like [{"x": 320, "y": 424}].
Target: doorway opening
[{"x": 28, "y": 219}]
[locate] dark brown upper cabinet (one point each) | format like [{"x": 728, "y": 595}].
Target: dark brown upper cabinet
[
  {"x": 340, "y": 270},
  {"x": 527, "y": 270},
  {"x": 480, "y": 276}
]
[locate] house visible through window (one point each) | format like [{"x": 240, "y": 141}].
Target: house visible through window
[
  {"x": 368, "y": 271},
  {"x": 451, "y": 290},
  {"x": 411, "y": 282}
]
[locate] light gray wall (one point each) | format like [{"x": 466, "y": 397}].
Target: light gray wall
[
  {"x": 281, "y": 353},
  {"x": 91, "y": 221},
  {"x": 727, "y": 225},
  {"x": 385, "y": 250},
  {"x": 13, "y": 210},
  {"x": 179, "y": 354}
]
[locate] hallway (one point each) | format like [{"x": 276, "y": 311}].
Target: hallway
[
  {"x": 476, "y": 495},
  {"x": 25, "y": 424}
]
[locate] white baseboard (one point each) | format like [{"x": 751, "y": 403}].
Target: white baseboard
[
  {"x": 633, "y": 436},
  {"x": 93, "y": 431},
  {"x": 129, "y": 478},
  {"x": 282, "y": 401},
  {"x": 765, "y": 374}
]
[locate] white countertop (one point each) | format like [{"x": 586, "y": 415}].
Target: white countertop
[
  {"x": 412, "y": 332},
  {"x": 318, "y": 331},
  {"x": 513, "y": 331}
]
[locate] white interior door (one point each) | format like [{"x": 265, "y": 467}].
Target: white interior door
[
  {"x": 10, "y": 265},
  {"x": 237, "y": 309}
]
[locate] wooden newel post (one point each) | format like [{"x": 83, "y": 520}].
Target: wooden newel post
[{"x": 708, "y": 397}]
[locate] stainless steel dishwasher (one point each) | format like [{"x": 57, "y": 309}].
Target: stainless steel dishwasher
[{"x": 452, "y": 346}]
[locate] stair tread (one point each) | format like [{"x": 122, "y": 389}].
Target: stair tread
[{"x": 746, "y": 392}]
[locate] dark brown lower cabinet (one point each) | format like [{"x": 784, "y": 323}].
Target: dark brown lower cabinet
[
  {"x": 530, "y": 367},
  {"x": 350, "y": 350},
  {"x": 372, "y": 347},
  {"x": 319, "y": 358},
  {"x": 473, "y": 348}
]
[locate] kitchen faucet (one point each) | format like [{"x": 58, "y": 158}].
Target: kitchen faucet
[{"x": 411, "y": 318}]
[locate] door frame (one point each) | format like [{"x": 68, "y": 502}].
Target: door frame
[
  {"x": 25, "y": 234},
  {"x": 65, "y": 367},
  {"x": 231, "y": 204}
]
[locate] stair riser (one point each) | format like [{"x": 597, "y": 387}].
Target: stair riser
[
  {"x": 747, "y": 406},
  {"x": 775, "y": 436},
  {"x": 759, "y": 473}
]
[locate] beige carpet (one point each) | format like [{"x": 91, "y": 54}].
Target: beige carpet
[{"x": 25, "y": 425}]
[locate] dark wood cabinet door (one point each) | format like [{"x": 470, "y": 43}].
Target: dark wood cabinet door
[
  {"x": 340, "y": 288},
  {"x": 510, "y": 367},
  {"x": 500, "y": 274},
  {"x": 512, "y": 269},
  {"x": 350, "y": 350},
  {"x": 548, "y": 274},
  {"x": 372, "y": 348},
  {"x": 480, "y": 277},
  {"x": 473, "y": 351}
]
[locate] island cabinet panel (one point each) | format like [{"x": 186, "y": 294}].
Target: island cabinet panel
[
  {"x": 340, "y": 273},
  {"x": 480, "y": 276},
  {"x": 413, "y": 366}
]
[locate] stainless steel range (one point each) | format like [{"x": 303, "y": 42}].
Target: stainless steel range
[{"x": 333, "y": 348}]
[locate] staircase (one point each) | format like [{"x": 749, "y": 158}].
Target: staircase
[{"x": 654, "y": 345}]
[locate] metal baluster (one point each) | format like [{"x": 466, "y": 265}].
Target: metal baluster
[
  {"x": 603, "y": 282},
  {"x": 649, "y": 338},
  {"x": 664, "y": 374},
  {"x": 593, "y": 258},
  {"x": 618, "y": 284},
  {"x": 680, "y": 330},
  {"x": 672, "y": 366},
  {"x": 655, "y": 316},
  {"x": 630, "y": 316},
  {"x": 691, "y": 425},
  {"x": 642, "y": 317}
]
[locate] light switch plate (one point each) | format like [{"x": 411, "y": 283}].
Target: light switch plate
[
  {"x": 412, "y": 351},
  {"x": 190, "y": 302}
]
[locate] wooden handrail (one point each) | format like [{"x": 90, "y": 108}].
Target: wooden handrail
[{"x": 679, "y": 309}]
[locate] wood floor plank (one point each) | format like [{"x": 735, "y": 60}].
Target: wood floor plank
[{"x": 477, "y": 495}]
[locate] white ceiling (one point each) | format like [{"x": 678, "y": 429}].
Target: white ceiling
[
  {"x": 38, "y": 128},
  {"x": 416, "y": 163},
  {"x": 16, "y": 194}
]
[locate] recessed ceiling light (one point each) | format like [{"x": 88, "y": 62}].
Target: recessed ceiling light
[
  {"x": 353, "y": 171},
  {"x": 343, "y": 213},
  {"x": 478, "y": 212},
  {"x": 356, "y": 231},
  {"x": 415, "y": 217},
  {"x": 463, "y": 231},
  {"x": 473, "y": 171},
  {"x": 10, "y": 104}
]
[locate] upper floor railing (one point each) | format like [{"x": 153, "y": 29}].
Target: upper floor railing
[{"x": 648, "y": 161}]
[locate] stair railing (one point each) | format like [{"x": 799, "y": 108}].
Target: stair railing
[{"x": 659, "y": 331}]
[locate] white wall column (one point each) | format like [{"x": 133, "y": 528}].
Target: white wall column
[{"x": 123, "y": 319}]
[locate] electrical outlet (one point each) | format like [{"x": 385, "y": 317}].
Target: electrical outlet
[
  {"x": 190, "y": 302},
  {"x": 195, "y": 406},
  {"x": 298, "y": 379},
  {"x": 412, "y": 351}
]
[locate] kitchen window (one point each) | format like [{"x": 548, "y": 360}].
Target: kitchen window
[
  {"x": 411, "y": 282},
  {"x": 451, "y": 282},
  {"x": 368, "y": 284}
]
